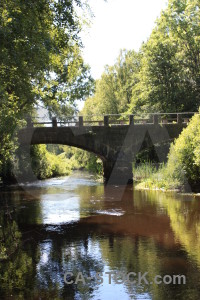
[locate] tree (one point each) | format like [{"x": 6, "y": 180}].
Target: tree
[
  {"x": 184, "y": 19},
  {"x": 40, "y": 60},
  {"x": 114, "y": 90},
  {"x": 169, "y": 77},
  {"x": 39, "y": 41},
  {"x": 183, "y": 159}
]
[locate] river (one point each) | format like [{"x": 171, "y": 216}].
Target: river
[{"x": 64, "y": 238}]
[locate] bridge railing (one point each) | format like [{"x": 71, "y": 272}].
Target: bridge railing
[{"x": 114, "y": 120}]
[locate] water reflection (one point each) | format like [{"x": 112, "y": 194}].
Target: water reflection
[
  {"x": 76, "y": 224},
  {"x": 184, "y": 214}
]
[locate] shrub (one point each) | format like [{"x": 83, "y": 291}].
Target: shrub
[
  {"x": 183, "y": 165},
  {"x": 184, "y": 157}
]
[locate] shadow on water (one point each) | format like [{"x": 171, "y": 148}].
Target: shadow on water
[{"x": 76, "y": 224}]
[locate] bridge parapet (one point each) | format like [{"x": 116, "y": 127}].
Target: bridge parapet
[{"x": 115, "y": 120}]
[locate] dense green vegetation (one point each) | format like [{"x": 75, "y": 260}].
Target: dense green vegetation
[
  {"x": 80, "y": 159},
  {"x": 44, "y": 163},
  {"x": 183, "y": 166},
  {"x": 169, "y": 73},
  {"x": 40, "y": 63}
]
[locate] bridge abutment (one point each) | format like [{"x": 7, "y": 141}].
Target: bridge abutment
[{"x": 117, "y": 172}]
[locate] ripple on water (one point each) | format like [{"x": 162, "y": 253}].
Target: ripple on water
[{"x": 111, "y": 212}]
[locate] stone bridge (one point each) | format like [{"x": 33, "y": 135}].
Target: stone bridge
[{"x": 114, "y": 140}]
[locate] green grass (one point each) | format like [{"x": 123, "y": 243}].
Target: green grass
[
  {"x": 143, "y": 170},
  {"x": 151, "y": 176}
]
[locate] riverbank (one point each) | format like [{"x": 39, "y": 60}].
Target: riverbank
[
  {"x": 141, "y": 185},
  {"x": 151, "y": 176},
  {"x": 47, "y": 161}
]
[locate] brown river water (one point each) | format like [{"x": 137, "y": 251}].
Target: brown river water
[{"x": 74, "y": 238}]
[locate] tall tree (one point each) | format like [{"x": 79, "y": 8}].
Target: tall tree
[
  {"x": 39, "y": 41},
  {"x": 183, "y": 17},
  {"x": 169, "y": 79},
  {"x": 40, "y": 60},
  {"x": 114, "y": 90}
]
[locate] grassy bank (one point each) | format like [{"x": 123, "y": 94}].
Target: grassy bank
[
  {"x": 182, "y": 170},
  {"x": 153, "y": 176}
]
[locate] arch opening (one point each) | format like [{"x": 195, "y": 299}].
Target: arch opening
[{"x": 42, "y": 161}]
